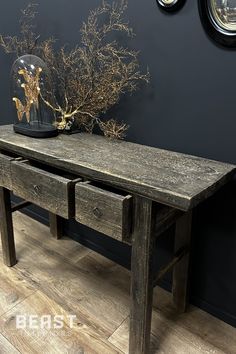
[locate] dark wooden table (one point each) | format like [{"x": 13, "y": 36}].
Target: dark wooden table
[{"x": 129, "y": 192}]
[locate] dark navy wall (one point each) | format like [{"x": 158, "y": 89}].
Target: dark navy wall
[{"x": 189, "y": 107}]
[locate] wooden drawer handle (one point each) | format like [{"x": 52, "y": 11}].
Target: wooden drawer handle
[{"x": 97, "y": 212}]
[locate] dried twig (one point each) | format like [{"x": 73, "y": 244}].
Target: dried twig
[
  {"x": 28, "y": 42},
  {"x": 114, "y": 129}
]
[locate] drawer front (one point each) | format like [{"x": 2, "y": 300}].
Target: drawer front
[
  {"x": 104, "y": 211},
  {"x": 51, "y": 192},
  {"x": 5, "y": 171}
]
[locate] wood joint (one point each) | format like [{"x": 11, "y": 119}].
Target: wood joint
[
  {"x": 20, "y": 205},
  {"x": 177, "y": 257},
  {"x": 165, "y": 217}
]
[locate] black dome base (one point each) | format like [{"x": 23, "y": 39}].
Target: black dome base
[{"x": 43, "y": 131}]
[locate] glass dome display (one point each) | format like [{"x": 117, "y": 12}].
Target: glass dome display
[{"x": 31, "y": 86}]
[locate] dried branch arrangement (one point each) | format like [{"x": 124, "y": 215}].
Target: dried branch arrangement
[
  {"x": 88, "y": 79},
  {"x": 28, "y": 42}
]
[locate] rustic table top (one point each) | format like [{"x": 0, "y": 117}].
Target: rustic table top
[{"x": 175, "y": 179}]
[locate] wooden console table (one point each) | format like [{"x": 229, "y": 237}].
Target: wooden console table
[{"x": 129, "y": 192}]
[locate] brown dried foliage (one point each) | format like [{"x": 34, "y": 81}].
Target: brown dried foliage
[
  {"x": 28, "y": 41},
  {"x": 88, "y": 79},
  {"x": 113, "y": 129}
]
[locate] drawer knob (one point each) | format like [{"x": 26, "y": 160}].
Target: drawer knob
[
  {"x": 97, "y": 212},
  {"x": 36, "y": 189}
]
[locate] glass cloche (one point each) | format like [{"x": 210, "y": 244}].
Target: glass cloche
[{"x": 31, "y": 86}]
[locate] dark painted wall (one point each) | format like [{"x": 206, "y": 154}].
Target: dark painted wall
[{"x": 189, "y": 107}]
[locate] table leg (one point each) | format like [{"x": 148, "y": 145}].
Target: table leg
[
  {"x": 180, "y": 287},
  {"x": 56, "y": 225},
  {"x": 141, "y": 277},
  {"x": 6, "y": 227}
]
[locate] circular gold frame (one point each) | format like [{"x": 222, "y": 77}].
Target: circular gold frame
[
  {"x": 219, "y": 21},
  {"x": 170, "y": 5}
]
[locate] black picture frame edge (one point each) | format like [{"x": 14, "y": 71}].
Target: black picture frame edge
[{"x": 216, "y": 33}]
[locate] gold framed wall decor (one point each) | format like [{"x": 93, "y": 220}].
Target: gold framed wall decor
[
  {"x": 170, "y": 5},
  {"x": 219, "y": 20}
]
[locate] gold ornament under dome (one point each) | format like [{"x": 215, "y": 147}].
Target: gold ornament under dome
[{"x": 32, "y": 91}]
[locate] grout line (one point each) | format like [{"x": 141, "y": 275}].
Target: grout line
[
  {"x": 10, "y": 343},
  {"x": 18, "y": 303},
  {"x": 122, "y": 322}
]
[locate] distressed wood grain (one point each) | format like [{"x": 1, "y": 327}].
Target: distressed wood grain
[
  {"x": 206, "y": 332},
  {"x": 193, "y": 332},
  {"x": 56, "y": 225},
  {"x": 154, "y": 176},
  {"x": 7, "y": 347},
  {"x": 12, "y": 291},
  {"x": 74, "y": 288},
  {"x": 45, "y": 189},
  {"x": 104, "y": 211},
  {"x": 178, "y": 180},
  {"x": 6, "y": 228},
  {"x": 165, "y": 217},
  {"x": 180, "y": 284},
  {"x": 141, "y": 276},
  {"x": 5, "y": 168},
  {"x": 167, "y": 337},
  {"x": 74, "y": 340}
]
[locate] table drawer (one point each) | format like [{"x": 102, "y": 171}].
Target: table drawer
[
  {"x": 108, "y": 212},
  {"x": 39, "y": 185},
  {"x": 5, "y": 171}
]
